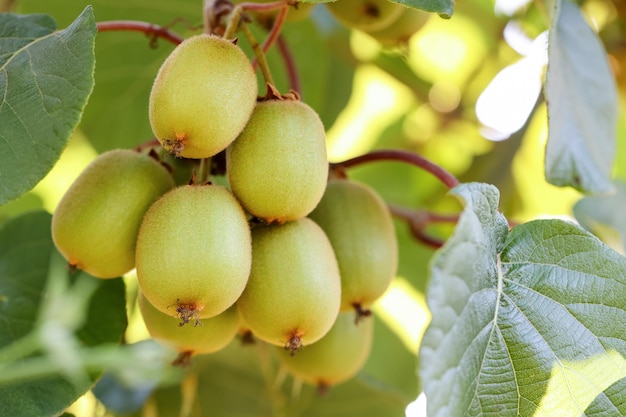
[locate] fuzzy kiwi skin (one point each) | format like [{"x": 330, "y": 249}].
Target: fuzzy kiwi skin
[
  {"x": 202, "y": 96},
  {"x": 278, "y": 166},
  {"x": 294, "y": 287},
  {"x": 366, "y": 15},
  {"x": 336, "y": 357},
  {"x": 400, "y": 32},
  {"x": 360, "y": 229},
  {"x": 194, "y": 251},
  {"x": 209, "y": 336},
  {"x": 96, "y": 223}
]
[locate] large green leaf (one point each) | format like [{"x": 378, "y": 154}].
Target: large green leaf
[
  {"x": 46, "y": 77},
  {"x": 524, "y": 324},
  {"x": 603, "y": 216},
  {"x": 27, "y": 259},
  {"x": 582, "y": 105}
]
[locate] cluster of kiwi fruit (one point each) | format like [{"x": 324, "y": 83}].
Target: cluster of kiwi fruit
[
  {"x": 279, "y": 251},
  {"x": 390, "y": 23}
]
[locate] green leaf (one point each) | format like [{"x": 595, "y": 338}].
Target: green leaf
[
  {"x": 582, "y": 105},
  {"x": 610, "y": 403},
  {"x": 444, "y": 8},
  {"x": 27, "y": 256},
  {"x": 46, "y": 78},
  {"x": 604, "y": 216},
  {"x": 524, "y": 324}
]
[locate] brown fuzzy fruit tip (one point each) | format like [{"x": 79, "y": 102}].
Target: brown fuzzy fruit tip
[
  {"x": 247, "y": 338},
  {"x": 187, "y": 312},
  {"x": 294, "y": 343},
  {"x": 323, "y": 388},
  {"x": 361, "y": 312}
]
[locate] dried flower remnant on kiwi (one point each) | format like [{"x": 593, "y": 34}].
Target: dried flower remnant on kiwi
[
  {"x": 186, "y": 313},
  {"x": 272, "y": 93},
  {"x": 371, "y": 10},
  {"x": 175, "y": 146},
  {"x": 361, "y": 313},
  {"x": 294, "y": 344}
]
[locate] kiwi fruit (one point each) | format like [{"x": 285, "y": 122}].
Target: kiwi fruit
[
  {"x": 400, "y": 32},
  {"x": 294, "y": 291},
  {"x": 336, "y": 357},
  {"x": 278, "y": 167},
  {"x": 96, "y": 223},
  {"x": 194, "y": 252},
  {"x": 365, "y": 15},
  {"x": 361, "y": 231},
  {"x": 202, "y": 96},
  {"x": 209, "y": 336}
]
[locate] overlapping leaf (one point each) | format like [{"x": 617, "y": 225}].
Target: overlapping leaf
[
  {"x": 46, "y": 77},
  {"x": 604, "y": 216},
  {"x": 527, "y": 323},
  {"x": 582, "y": 105}
]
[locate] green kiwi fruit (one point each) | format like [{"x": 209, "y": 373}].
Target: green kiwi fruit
[
  {"x": 365, "y": 15},
  {"x": 194, "y": 252},
  {"x": 336, "y": 357},
  {"x": 209, "y": 336},
  {"x": 278, "y": 167},
  {"x": 95, "y": 224},
  {"x": 399, "y": 33},
  {"x": 202, "y": 96},
  {"x": 360, "y": 229},
  {"x": 293, "y": 294}
]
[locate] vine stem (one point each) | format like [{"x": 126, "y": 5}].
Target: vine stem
[
  {"x": 20, "y": 348},
  {"x": 151, "y": 29},
  {"x": 419, "y": 161},
  {"x": 274, "y": 32},
  {"x": 418, "y": 220},
  {"x": 290, "y": 64},
  {"x": 260, "y": 55},
  {"x": 204, "y": 171},
  {"x": 235, "y": 18},
  {"x": 276, "y": 28}
]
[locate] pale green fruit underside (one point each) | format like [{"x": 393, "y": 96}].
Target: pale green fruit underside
[
  {"x": 361, "y": 231},
  {"x": 278, "y": 166},
  {"x": 294, "y": 286},
  {"x": 194, "y": 249},
  {"x": 96, "y": 223},
  {"x": 203, "y": 94},
  {"x": 366, "y": 15},
  {"x": 210, "y": 336},
  {"x": 337, "y": 356},
  {"x": 409, "y": 22}
]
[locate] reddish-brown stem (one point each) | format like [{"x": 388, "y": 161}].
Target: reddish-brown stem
[
  {"x": 440, "y": 173},
  {"x": 262, "y": 7},
  {"x": 276, "y": 28},
  {"x": 274, "y": 33},
  {"x": 150, "y": 29},
  {"x": 419, "y": 220},
  {"x": 290, "y": 64}
]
